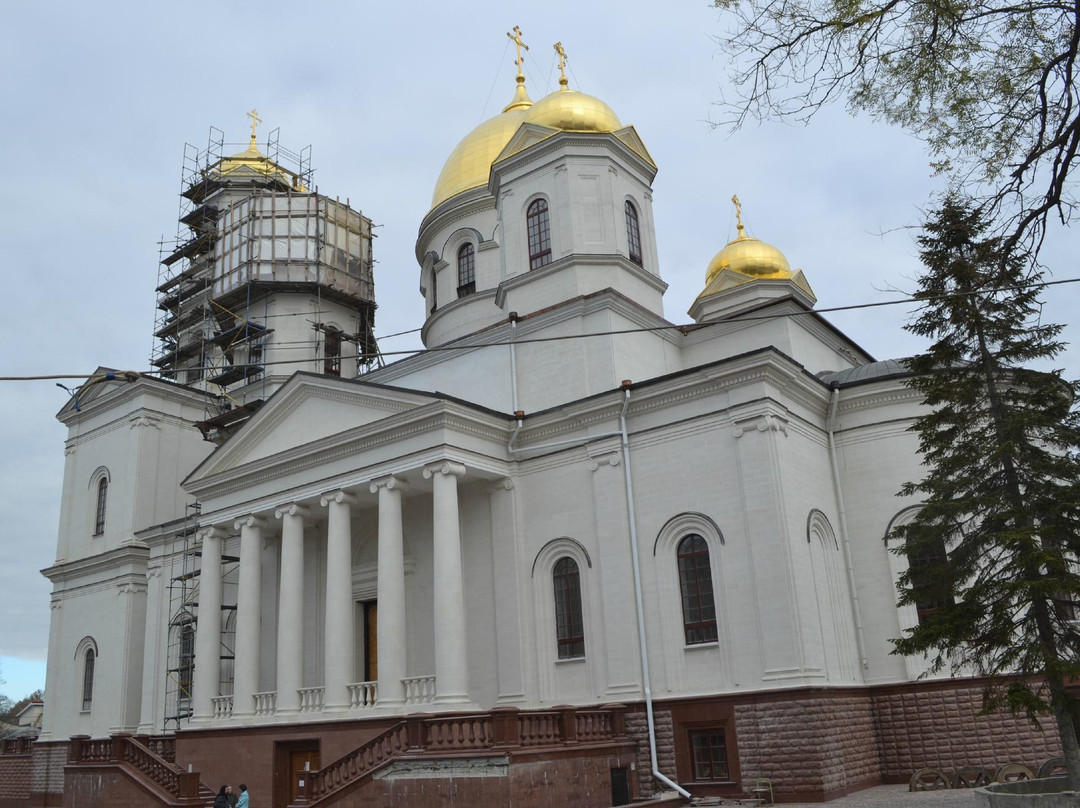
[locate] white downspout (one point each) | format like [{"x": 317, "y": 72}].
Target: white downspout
[
  {"x": 645, "y": 681},
  {"x": 830, "y": 428},
  {"x": 513, "y": 366}
]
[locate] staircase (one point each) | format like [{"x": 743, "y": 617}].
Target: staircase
[{"x": 170, "y": 784}]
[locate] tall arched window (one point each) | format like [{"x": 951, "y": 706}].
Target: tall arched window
[
  {"x": 695, "y": 583},
  {"x": 102, "y": 500},
  {"x": 332, "y": 352},
  {"x": 633, "y": 233},
  {"x": 466, "y": 270},
  {"x": 922, "y": 565},
  {"x": 88, "y": 680},
  {"x": 569, "y": 627},
  {"x": 539, "y": 234}
]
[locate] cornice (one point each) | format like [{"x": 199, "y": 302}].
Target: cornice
[
  {"x": 460, "y": 206},
  {"x": 131, "y": 553},
  {"x": 125, "y": 392},
  {"x": 595, "y": 142},
  {"x": 585, "y": 259},
  {"x": 133, "y": 418},
  {"x": 454, "y": 305}
]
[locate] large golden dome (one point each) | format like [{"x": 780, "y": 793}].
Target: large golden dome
[
  {"x": 751, "y": 257},
  {"x": 572, "y": 111}
]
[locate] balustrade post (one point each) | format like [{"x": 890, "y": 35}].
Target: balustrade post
[
  {"x": 416, "y": 730},
  {"x": 75, "y": 748},
  {"x": 506, "y": 726},
  {"x": 618, "y": 719},
  {"x": 303, "y": 788},
  {"x": 188, "y": 784},
  {"x": 567, "y": 723},
  {"x": 116, "y": 749}
]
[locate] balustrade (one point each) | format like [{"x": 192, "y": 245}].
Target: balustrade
[
  {"x": 223, "y": 706},
  {"x": 265, "y": 703},
  {"x": 311, "y": 699},
  {"x": 419, "y": 689},
  {"x": 363, "y": 694}
]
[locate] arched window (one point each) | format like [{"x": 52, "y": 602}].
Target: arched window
[
  {"x": 569, "y": 627},
  {"x": 332, "y": 352},
  {"x": 695, "y": 583},
  {"x": 633, "y": 233},
  {"x": 88, "y": 680},
  {"x": 102, "y": 500},
  {"x": 539, "y": 234},
  {"x": 466, "y": 270},
  {"x": 921, "y": 572}
]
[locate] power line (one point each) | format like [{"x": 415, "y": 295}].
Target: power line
[{"x": 686, "y": 328}]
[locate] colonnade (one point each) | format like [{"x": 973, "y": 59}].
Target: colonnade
[{"x": 451, "y": 664}]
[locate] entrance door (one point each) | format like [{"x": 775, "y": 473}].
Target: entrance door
[
  {"x": 301, "y": 761},
  {"x": 292, "y": 759},
  {"x": 371, "y": 641}
]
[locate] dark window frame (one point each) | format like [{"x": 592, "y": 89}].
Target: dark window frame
[
  {"x": 633, "y": 233},
  {"x": 709, "y": 761},
  {"x": 927, "y": 606},
  {"x": 466, "y": 264},
  {"x": 538, "y": 227},
  {"x": 88, "y": 680},
  {"x": 332, "y": 352},
  {"x": 569, "y": 617},
  {"x": 696, "y": 590},
  {"x": 102, "y": 506}
]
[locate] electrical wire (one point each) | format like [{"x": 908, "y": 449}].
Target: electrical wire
[{"x": 686, "y": 328}]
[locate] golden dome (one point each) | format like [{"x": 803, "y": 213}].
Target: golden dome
[
  {"x": 751, "y": 257},
  {"x": 254, "y": 161},
  {"x": 572, "y": 111}
]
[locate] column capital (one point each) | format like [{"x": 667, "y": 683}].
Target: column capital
[
  {"x": 390, "y": 483},
  {"x": 505, "y": 484},
  {"x": 292, "y": 509},
  {"x": 251, "y": 520},
  {"x": 339, "y": 496},
  {"x": 212, "y": 532},
  {"x": 447, "y": 467}
]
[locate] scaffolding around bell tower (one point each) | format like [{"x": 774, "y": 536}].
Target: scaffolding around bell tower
[{"x": 264, "y": 277}]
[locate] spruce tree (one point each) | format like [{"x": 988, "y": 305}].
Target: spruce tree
[{"x": 994, "y": 553}]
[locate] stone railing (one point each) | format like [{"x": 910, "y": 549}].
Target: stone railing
[
  {"x": 123, "y": 750},
  {"x": 162, "y": 746},
  {"x": 265, "y": 703},
  {"x": 419, "y": 689},
  {"x": 494, "y": 733},
  {"x": 363, "y": 694},
  {"x": 16, "y": 746},
  {"x": 223, "y": 706},
  {"x": 311, "y": 699}
]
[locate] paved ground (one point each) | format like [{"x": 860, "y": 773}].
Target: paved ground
[{"x": 896, "y": 797}]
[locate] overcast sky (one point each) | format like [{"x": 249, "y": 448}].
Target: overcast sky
[{"x": 100, "y": 99}]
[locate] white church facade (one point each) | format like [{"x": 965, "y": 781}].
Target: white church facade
[{"x": 570, "y": 537}]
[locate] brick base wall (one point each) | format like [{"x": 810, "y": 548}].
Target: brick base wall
[
  {"x": 819, "y": 745},
  {"x": 15, "y": 773},
  {"x": 637, "y": 730},
  {"x": 47, "y": 761},
  {"x": 938, "y": 725}
]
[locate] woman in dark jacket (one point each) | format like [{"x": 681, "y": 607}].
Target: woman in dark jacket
[{"x": 221, "y": 800}]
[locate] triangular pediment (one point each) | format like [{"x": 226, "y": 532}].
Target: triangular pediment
[
  {"x": 307, "y": 409},
  {"x": 528, "y": 134},
  {"x": 631, "y": 138}
]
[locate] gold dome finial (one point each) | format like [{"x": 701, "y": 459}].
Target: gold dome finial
[
  {"x": 564, "y": 84},
  {"x": 255, "y": 121},
  {"x": 738, "y": 215},
  {"x": 521, "y": 97}
]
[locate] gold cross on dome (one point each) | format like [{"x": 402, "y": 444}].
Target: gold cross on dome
[
  {"x": 516, "y": 37},
  {"x": 255, "y": 121},
  {"x": 562, "y": 64},
  {"x": 738, "y": 212}
]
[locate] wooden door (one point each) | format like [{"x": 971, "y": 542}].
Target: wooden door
[
  {"x": 301, "y": 761},
  {"x": 371, "y": 641}
]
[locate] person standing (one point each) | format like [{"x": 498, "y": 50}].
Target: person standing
[
  {"x": 243, "y": 802},
  {"x": 230, "y": 795},
  {"x": 222, "y": 799}
]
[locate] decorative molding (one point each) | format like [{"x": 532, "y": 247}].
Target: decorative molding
[
  {"x": 608, "y": 459},
  {"x": 505, "y": 484},
  {"x": 762, "y": 423},
  {"x": 144, "y": 420},
  {"x": 130, "y": 588}
]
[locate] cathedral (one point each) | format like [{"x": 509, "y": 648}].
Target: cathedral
[{"x": 569, "y": 554}]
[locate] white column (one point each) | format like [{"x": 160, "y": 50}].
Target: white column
[
  {"x": 290, "y": 638},
  {"x": 451, "y": 670},
  {"x": 391, "y": 614},
  {"x": 340, "y": 642},
  {"x": 206, "y": 679},
  {"x": 248, "y": 628}
]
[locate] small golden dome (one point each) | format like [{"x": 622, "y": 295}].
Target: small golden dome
[
  {"x": 751, "y": 257},
  {"x": 572, "y": 111}
]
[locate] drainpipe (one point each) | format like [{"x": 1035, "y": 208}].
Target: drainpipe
[
  {"x": 645, "y": 681},
  {"x": 830, "y": 428},
  {"x": 513, "y": 367}
]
